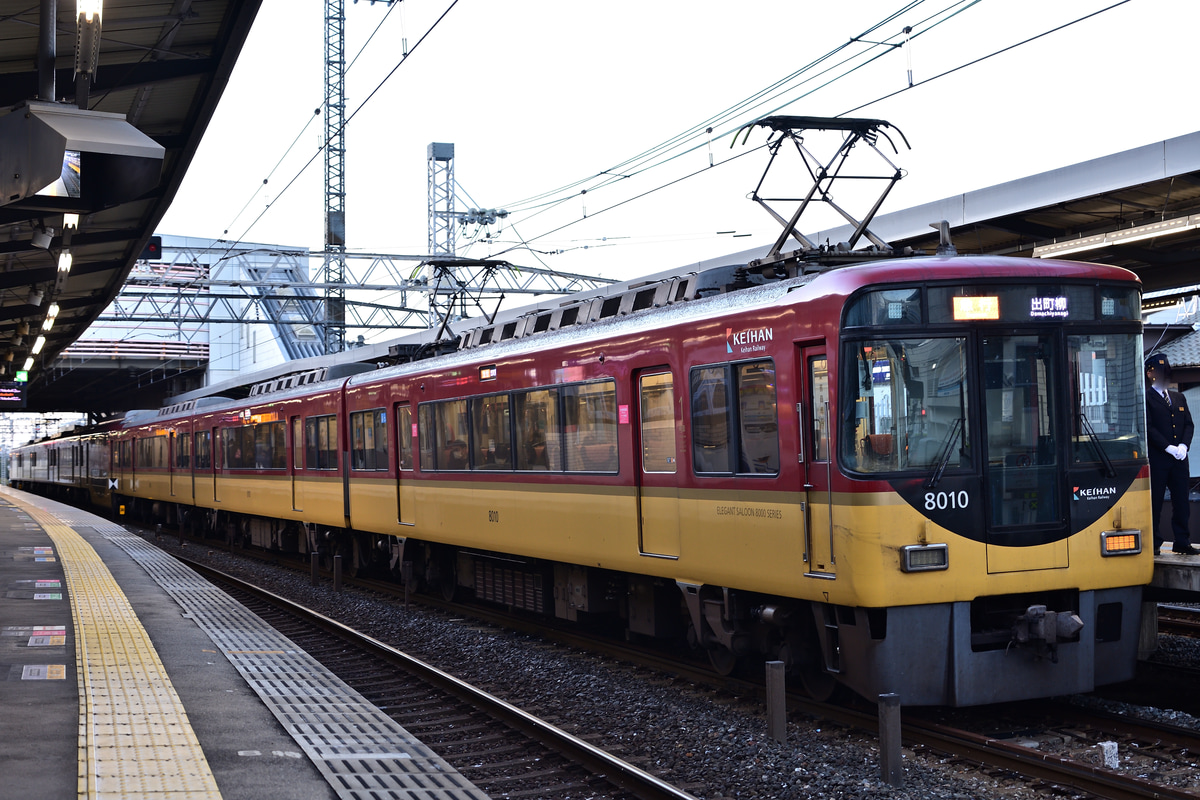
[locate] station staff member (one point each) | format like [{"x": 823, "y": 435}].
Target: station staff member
[{"x": 1169, "y": 425}]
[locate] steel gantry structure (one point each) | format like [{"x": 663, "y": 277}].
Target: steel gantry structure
[{"x": 202, "y": 281}]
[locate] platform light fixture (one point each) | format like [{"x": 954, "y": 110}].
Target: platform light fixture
[
  {"x": 70, "y": 222},
  {"x": 51, "y": 316},
  {"x": 1124, "y": 236},
  {"x": 28, "y": 364},
  {"x": 87, "y": 46},
  {"x": 64, "y": 271},
  {"x": 38, "y": 344}
]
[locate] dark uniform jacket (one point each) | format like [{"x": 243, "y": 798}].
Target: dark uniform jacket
[{"x": 1167, "y": 424}]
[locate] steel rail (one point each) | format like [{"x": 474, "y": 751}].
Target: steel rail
[{"x": 621, "y": 774}]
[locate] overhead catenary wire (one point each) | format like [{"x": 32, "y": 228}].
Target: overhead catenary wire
[
  {"x": 594, "y": 213},
  {"x": 620, "y": 169},
  {"x": 316, "y": 113},
  {"x": 952, "y": 11}
]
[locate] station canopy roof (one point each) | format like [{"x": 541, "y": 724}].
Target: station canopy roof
[
  {"x": 161, "y": 69},
  {"x": 1138, "y": 209}
]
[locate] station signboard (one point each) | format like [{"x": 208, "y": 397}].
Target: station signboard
[{"x": 12, "y": 395}]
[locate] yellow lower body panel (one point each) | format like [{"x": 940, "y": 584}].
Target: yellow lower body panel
[{"x": 135, "y": 739}]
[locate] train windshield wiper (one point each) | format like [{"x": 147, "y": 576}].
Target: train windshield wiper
[
  {"x": 944, "y": 453},
  {"x": 1086, "y": 425}
]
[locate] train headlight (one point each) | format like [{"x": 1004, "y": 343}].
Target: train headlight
[
  {"x": 1120, "y": 543},
  {"x": 924, "y": 557}
]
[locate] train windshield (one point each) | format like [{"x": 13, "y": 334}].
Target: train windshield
[
  {"x": 1027, "y": 397},
  {"x": 1107, "y": 420},
  {"x": 909, "y": 409}
]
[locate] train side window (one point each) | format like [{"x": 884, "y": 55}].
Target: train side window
[
  {"x": 758, "y": 419},
  {"x": 818, "y": 373},
  {"x": 310, "y": 443},
  {"x": 657, "y": 422},
  {"x": 590, "y": 427},
  {"x": 426, "y": 437},
  {"x": 404, "y": 437},
  {"x": 297, "y": 443},
  {"x": 452, "y": 435},
  {"x": 270, "y": 450},
  {"x": 539, "y": 435},
  {"x": 183, "y": 451},
  {"x": 710, "y": 420},
  {"x": 231, "y": 448},
  {"x": 320, "y": 439},
  {"x": 734, "y": 412},
  {"x": 368, "y": 440},
  {"x": 203, "y": 449},
  {"x": 381, "y": 440},
  {"x": 358, "y": 436},
  {"x": 151, "y": 452},
  {"x": 491, "y": 439}
]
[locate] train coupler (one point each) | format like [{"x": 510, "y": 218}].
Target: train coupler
[{"x": 1042, "y": 630}]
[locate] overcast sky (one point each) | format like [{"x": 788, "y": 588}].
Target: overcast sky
[{"x": 537, "y": 95}]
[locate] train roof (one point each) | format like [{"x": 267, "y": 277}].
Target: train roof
[{"x": 843, "y": 280}]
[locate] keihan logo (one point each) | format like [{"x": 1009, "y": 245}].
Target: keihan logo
[
  {"x": 1095, "y": 493},
  {"x": 748, "y": 341}
]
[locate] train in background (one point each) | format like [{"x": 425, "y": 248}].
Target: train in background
[{"x": 925, "y": 477}]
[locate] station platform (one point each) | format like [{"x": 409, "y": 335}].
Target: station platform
[
  {"x": 1176, "y": 578},
  {"x": 124, "y": 664}
]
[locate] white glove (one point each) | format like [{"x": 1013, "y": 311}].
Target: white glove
[
  {"x": 1182, "y": 452},
  {"x": 1173, "y": 450}
]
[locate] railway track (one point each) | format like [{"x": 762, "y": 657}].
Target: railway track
[
  {"x": 502, "y": 749},
  {"x": 1058, "y": 754},
  {"x": 1063, "y": 744},
  {"x": 1179, "y": 620}
]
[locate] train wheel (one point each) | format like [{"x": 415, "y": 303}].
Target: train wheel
[
  {"x": 723, "y": 660},
  {"x": 818, "y": 683}
]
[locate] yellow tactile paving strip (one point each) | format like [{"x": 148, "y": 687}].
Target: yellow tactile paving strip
[{"x": 135, "y": 740}]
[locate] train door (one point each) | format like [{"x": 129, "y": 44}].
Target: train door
[
  {"x": 195, "y": 463},
  {"x": 172, "y": 460},
  {"x": 216, "y": 458},
  {"x": 658, "y": 484},
  {"x": 297, "y": 465},
  {"x": 816, "y": 464},
  {"x": 1024, "y": 474},
  {"x": 405, "y": 490}
]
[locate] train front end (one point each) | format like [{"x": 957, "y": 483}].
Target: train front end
[{"x": 996, "y": 514}]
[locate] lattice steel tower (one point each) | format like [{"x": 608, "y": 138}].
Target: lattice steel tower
[
  {"x": 443, "y": 225},
  {"x": 335, "y": 176}
]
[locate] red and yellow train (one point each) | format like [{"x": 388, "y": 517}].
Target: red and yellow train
[{"x": 925, "y": 477}]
